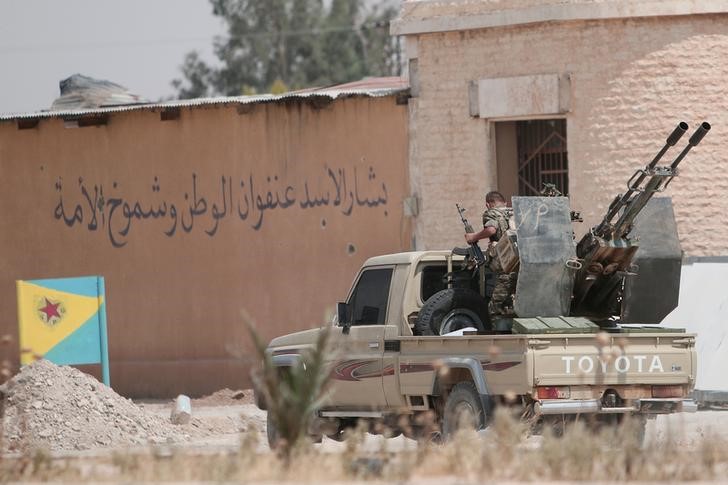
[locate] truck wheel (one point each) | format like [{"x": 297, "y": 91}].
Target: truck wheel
[
  {"x": 463, "y": 410},
  {"x": 271, "y": 431},
  {"x": 632, "y": 428},
  {"x": 344, "y": 424},
  {"x": 452, "y": 309},
  {"x": 641, "y": 430}
]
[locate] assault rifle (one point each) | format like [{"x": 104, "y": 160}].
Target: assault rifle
[{"x": 475, "y": 252}]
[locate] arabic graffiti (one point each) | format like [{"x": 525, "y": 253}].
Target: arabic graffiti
[{"x": 243, "y": 200}]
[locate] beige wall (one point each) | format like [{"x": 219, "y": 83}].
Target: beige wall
[
  {"x": 177, "y": 285},
  {"x": 631, "y": 82}
]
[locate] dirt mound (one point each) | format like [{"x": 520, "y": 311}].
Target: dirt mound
[
  {"x": 225, "y": 397},
  {"x": 61, "y": 408}
]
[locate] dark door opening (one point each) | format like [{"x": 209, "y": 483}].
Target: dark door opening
[{"x": 531, "y": 153}]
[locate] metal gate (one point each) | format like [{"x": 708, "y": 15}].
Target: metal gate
[{"x": 542, "y": 156}]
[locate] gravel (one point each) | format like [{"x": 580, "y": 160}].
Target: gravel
[{"x": 61, "y": 408}]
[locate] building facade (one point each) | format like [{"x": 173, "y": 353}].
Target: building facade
[
  {"x": 511, "y": 95},
  {"x": 203, "y": 216}
]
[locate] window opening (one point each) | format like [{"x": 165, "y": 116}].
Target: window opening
[
  {"x": 542, "y": 156},
  {"x": 369, "y": 300},
  {"x": 433, "y": 279}
]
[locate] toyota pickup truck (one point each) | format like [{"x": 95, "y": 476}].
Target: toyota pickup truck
[
  {"x": 381, "y": 371},
  {"x": 418, "y": 332}
]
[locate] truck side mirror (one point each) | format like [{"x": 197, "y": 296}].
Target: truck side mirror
[{"x": 343, "y": 316}]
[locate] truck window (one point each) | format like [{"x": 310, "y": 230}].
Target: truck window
[
  {"x": 433, "y": 280},
  {"x": 369, "y": 299}
]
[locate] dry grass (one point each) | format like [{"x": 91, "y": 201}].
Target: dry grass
[{"x": 612, "y": 454}]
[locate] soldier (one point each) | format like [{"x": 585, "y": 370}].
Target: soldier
[{"x": 495, "y": 225}]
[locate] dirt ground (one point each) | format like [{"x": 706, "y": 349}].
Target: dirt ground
[
  {"x": 62, "y": 423},
  {"x": 687, "y": 429},
  {"x": 217, "y": 445},
  {"x": 70, "y": 414}
]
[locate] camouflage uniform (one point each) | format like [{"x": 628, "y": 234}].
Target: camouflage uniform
[{"x": 505, "y": 286}]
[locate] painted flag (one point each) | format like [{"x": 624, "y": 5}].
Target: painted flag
[{"x": 64, "y": 321}]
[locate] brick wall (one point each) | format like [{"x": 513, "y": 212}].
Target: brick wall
[{"x": 631, "y": 81}]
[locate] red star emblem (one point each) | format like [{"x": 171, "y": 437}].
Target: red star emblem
[{"x": 50, "y": 310}]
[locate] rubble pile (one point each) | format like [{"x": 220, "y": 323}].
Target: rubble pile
[
  {"x": 61, "y": 408},
  {"x": 225, "y": 397}
]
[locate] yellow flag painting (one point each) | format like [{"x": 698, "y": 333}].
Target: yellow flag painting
[{"x": 64, "y": 321}]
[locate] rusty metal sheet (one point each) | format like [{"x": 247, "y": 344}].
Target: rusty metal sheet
[{"x": 378, "y": 87}]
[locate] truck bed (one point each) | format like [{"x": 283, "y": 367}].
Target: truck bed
[{"x": 519, "y": 363}]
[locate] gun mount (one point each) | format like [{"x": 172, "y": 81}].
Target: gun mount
[
  {"x": 607, "y": 252},
  {"x": 602, "y": 277}
]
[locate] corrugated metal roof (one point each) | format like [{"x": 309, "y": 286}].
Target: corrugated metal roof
[
  {"x": 369, "y": 87},
  {"x": 366, "y": 84}
]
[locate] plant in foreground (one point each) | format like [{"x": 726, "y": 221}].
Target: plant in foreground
[{"x": 292, "y": 394}]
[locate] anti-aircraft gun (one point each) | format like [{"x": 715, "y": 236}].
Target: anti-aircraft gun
[
  {"x": 601, "y": 278},
  {"x": 604, "y": 286}
]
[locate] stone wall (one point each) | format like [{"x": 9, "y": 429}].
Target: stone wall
[{"x": 632, "y": 80}]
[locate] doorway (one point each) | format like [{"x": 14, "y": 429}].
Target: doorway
[{"x": 529, "y": 154}]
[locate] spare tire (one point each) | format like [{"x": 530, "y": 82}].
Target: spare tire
[{"x": 452, "y": 309}]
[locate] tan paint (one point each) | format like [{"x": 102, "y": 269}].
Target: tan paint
[
  {"x": 176, "y": 303},
  {"x": 367, "y": 376}
]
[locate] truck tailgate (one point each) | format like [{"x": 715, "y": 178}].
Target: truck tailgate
[{"x": 614, "y": 359}]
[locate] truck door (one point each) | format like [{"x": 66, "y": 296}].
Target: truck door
[{"x": 358, "y": 371}]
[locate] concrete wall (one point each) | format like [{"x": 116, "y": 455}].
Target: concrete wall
[
  {"x": 631, "y": 81},
  {"x": 269, "y": 213},
  {"x": 703, "y": 309}
]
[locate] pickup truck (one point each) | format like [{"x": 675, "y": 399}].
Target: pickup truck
[
  {"x": 418, "y": 332},
  {"x": 563, "y": 366}
]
